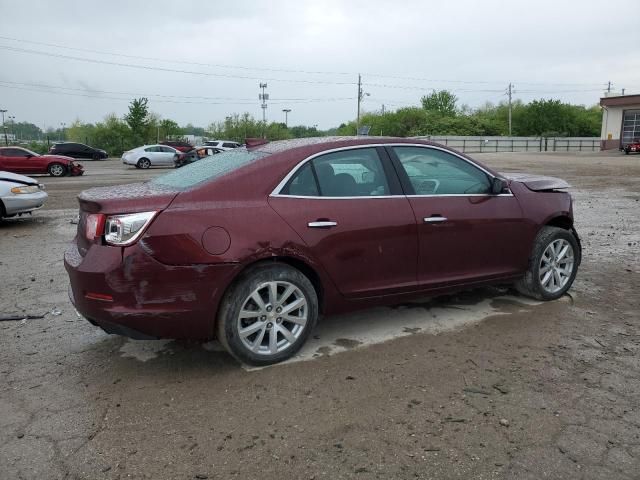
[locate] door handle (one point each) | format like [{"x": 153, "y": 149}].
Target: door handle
[
  {"x": 435, "y": 219},
  {"x": 322, "y": 224}
]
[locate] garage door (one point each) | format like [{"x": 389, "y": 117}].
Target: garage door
[{"x": 631, "y": 127}]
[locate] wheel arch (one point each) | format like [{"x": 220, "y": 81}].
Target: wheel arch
[
  {"x": 293, "y": 262},
  {"x": 565, "y": 221},
  {"x": 560, "y": 220}
]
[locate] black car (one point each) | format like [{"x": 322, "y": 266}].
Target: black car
[
  {"x": 77, "y": 150},
  {"x": 194, "y": 155}
]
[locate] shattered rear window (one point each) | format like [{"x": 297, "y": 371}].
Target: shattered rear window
[{"x": 208, "y": 168}]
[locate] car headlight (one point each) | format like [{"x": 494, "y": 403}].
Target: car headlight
[
  {"x": 25, "y": 189},
  {"x": 123, "y": 230}
]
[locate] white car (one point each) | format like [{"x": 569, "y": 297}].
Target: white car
[
  {"x": 20, "y": 194},
  {"x": 222, "y": 144},
  {"x": 151, "y": 156}
]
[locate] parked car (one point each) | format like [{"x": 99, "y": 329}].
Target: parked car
[
  {"x": 19, "y": 195},
  {"x": 198, "y": 153},
  {"x": 178, "y": 145},
  {"x": 252, "y": 245},
  {"x": 21, "y": 160},
  {"x": 151, "y": 156},
  {"x": 222, "y": 144},
  {"x": 632, "y": 148},
  {"x": 78, "y": 150}
]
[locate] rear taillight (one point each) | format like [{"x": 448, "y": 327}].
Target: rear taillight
[
  {"x": 123, "y": 230},
  {"x": 94, "y": 225}
]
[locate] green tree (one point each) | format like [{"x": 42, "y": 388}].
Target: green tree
[
  {"x": 442, "y": 102},
  {"x": 138, "y": 119},
  {"x": 169, "y": 128}
]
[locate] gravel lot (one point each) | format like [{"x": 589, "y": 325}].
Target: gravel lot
[{"x": 480, "y": 385}]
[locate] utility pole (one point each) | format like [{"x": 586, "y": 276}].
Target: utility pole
[
  {"x": 12, "y": 122},
  {"x": 359, "y": 99},
  {"x": 361, "y": 95},
  {"x": 286, "y": 116},
  {"x": 623, "y": 92},
  {"x": 64, "y": 137},
  {"x": 609, "y": 86},
  {"x": 263, "y": 97},
  {"x": 509, "y": 93},
  {"x": 4, "y": 129},
  {"x": 382, "y": 118}
]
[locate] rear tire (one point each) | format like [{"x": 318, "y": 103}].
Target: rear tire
[
  {"x": 267, "y": 314},
  {"x": 56, "y": 170},
  {"x": 143, "y": 163},
  {"x": 553, "y": 264}
]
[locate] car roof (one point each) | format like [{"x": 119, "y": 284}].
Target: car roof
[{"x": 325, "y": 143}]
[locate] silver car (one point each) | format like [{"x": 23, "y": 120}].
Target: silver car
[
  {"x": 20, "y": 194},
  {"x": 150, "y": 156}
]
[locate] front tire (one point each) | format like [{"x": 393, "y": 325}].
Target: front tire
[
  {"x": 56, "y": 170},
  {"x": 553, "y": 264},
  {"x": 143, "y": 163},
  {"x": 267, "y": 315}
]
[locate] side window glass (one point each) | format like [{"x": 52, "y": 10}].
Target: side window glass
[
  {"x": 152, "y": 149},
  {"x": 351, "y": 173},
  {"x": 302, "y": 184},
  {"x": 435, "y": 172}
]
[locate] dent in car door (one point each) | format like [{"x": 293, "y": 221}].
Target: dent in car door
[{"x": 365, "y": 241}]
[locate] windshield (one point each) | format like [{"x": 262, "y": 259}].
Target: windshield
[{"x": 208, "y": 168}]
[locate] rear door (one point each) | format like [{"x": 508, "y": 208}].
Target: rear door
[
  {"x": 348, "y": 208},
  {"x": 465, "y": 232},
  {"x": 166, "y": 155}
]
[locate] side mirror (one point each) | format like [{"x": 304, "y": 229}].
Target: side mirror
[
  {"x": 29, "y": 155},
  {"x": 498, "y": 185}
]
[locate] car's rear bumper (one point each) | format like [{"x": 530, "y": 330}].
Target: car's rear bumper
[
  {"x": 24, "y": 202},
  {"x": 128, "y": 292}
]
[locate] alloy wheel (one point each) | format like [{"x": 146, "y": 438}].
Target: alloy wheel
[
  {"x": 556, "y": 265},
  {"x": 57, "y": 170},
  {"x": 272, "y": 317}
]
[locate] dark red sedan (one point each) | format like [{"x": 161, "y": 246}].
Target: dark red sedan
[
  {"x": 254, "y": 244},
  {"x": 21, "y": 160}
]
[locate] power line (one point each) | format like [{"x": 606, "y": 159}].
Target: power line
[
  {"x": 283, "y": 70},
  {"x": 138, "y": 94},
  {"x": 103, "y": 97},
  {"x": 183, "y": 62},
  {"x": 164, "y": 69}
]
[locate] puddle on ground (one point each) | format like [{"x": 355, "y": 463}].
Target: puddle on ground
[
  {"x": 143, "y": 350},
  {"x": 369, "y": 327}
]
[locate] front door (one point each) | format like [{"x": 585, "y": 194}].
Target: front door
[
  {"x": 18, "y": 160},
  {"x": 362, "y": 234},
  {"x": 465, "y": 232}
]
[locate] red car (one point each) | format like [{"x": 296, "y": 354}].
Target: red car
[
  {"x": 632, "y": 148},
  {"x": 21, "y": 160},
  {"x": 178, "y": 145},
  {"x": 252, "y": 245}
]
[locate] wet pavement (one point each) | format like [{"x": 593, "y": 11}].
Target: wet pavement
[{"x": 484, "y": 384}]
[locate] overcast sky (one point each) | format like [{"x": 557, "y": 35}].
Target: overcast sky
[{"x": 204, "y": 60}]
